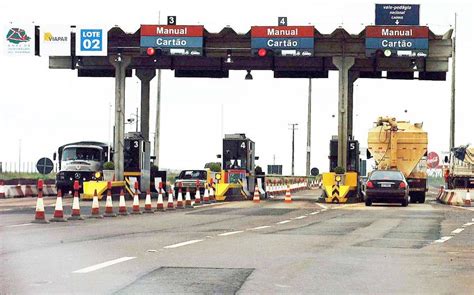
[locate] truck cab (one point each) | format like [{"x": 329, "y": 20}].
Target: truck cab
[{"x": 81, "y": 161}]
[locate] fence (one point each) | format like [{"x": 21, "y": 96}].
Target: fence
[{"x": 23, "y": 167}]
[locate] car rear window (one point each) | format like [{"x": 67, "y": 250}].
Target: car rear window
[
  {"x": 193, "y": 174},
  {"x": 386, "y": 175}
]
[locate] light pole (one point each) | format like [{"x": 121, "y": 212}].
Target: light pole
[
  {"x": 453, "y": 89},
  {"x": 293, "y": 128},
  {"x": 308, "y": 134}
]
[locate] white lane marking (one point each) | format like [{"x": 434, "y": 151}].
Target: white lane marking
[
  {"x": 467, "y": 224},
  {"x": 230, "y": 233},
  {"x": 314, "y": 213},
  {"x": 284, "y": 221},
  {"x": 300, "y": 217},
  {"x": 18, "y": 225},
  {"x": 102, "y": 265},
  {"x": 322, "y": 206},
  {"x": 457, "y": 231},
  {"x": 443, "y": 239},
  {"x": 322, "y": 210},
  {"x": 182, "y": 244},
  {"x": 464, "y": 208},
  {"x": 259, "y": 227}
]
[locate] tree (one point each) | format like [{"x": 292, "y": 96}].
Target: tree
[{"x": 213, "y": 166}]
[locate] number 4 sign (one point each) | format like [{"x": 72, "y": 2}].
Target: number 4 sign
[{"x": 91, "y": 41}]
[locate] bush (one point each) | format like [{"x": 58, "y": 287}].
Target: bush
[
  {"x": 339, "y": 170},
  {"x": 213, "y": 166},
  {"x": 109, "y": 166}
]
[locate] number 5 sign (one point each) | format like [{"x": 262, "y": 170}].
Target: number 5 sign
[{"x": 91, "y": 41}]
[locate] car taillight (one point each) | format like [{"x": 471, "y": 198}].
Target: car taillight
[
  {"x": 370, "y": 184},
  {"x": 402, "y": 185}
]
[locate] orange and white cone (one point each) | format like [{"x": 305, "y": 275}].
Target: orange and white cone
[
  {"x": 76, "y": 209},
  {"x": 170, "y": 203},
  {"x": 136, "y": 202},
  {"x": 109, "y": 206},
  {"x": 256, "y": 195},
  {"x": 179, "y": 202},
  {"x": 148, "y": 208},
  {"x": 288, "y": 195},
  {"x": 467, "y": 199},
  {"x": 95, "y": 211},
  {"x": 58, "y": 209},
  {"x": 206, "y": 196},
  {"x": 159, "y": 203},
  {"x": 39, "y": 214},
  {"x": 187, "y": 199},
  {"x": 212, "y": 196},
  {"x": 197, "y": 197},
  {"x": 122, "y": 205}
]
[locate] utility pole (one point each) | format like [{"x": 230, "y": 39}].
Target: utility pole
[
  {"x": 453, "y": 89},
  {"x": 293, "y": 128},
  {"x": 156, "y": 162},
  {"x": 136, "y": 121},
  {"x": 308, "y": 134},
  {"x": 19, "y": 155}
]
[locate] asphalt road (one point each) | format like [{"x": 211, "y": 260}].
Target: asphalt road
[{"x": 242, "y": 247}]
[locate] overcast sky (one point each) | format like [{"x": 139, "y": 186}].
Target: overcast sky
[{"x": 47, "y": 108}]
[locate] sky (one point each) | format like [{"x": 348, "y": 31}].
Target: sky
[{"x": 42, "y": 109}]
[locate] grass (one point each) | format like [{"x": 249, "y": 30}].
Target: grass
[{"x": 23, "y": 175}]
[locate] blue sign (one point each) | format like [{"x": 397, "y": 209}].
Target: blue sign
[
  {"x": 171, "y": 42},
  {"x": 397, "y": 14},
  {"x": 283, "y": 43},
  {"x": 383, "y": 43},
  {"x": 91, "y": 41}
]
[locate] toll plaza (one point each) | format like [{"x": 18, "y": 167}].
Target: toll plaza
[{"x": 381, "y": 51}]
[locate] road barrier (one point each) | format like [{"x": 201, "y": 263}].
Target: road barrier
[
  {"x": 455, "y": 197},
  {"x": 2, "y": 189}
]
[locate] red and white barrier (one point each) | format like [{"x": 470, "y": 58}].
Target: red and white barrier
[
  {"x": 2, "y": 189},
  {"x": 455, "y": 197}
]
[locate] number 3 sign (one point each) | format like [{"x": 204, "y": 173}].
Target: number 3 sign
[{"x": 91, "y": 42}]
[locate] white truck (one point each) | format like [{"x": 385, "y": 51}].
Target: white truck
[{"x": 459, "y": 168}]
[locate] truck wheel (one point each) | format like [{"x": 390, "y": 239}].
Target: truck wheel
[
  {"x": 421, "y": 198},
  {"x": 405, "y": 203}
]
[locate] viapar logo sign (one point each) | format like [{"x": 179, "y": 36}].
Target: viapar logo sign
[{"x": 91, "y": 42}]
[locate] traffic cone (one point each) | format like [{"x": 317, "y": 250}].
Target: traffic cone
[
  {"x": 136, "y": 201},
  {"x": 95, "y": 211},
  {"x": 58, "y": 209},
  {"x": 122, "y": 205},
  {"x": 109, "y": 207},
  {"x": 159, "y": 203},
  {"x": 39, "y": 214},
  {"x": 288, "y": 195},
  {"x": 256, "y": 195},
  {"x": 206, "y": 196},
  {"x": 197, "y": 197},
  {"x": 179, "y": 202},
  {"x": 148, "y": 208},
  {"x": 467, "y": 200},
  {"x": 170, "y": 203},
  {"x": 187, "y": 202},
  {"x": 76, "y": 209},
  {"x": 212, "y": 196}
]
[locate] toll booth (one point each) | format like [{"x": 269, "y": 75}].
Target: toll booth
[
  {"x": 238, "y": 161},
  {"x": 353, "y": 162},
  {"x": 137, "y": 158}
]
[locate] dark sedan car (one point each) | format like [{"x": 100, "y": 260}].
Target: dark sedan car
[{"x": 386, "y": 186}]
